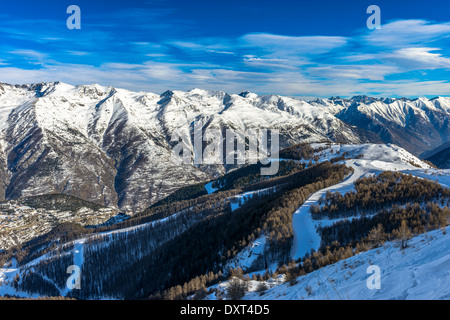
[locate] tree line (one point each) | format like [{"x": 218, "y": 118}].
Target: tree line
[{"x": 374, "y": 193}]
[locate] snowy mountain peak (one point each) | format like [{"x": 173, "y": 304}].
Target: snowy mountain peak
[
  {"x": 95, "y": 90},
  {"x": 44, "y": 88},
  {"x": 363, "y": 99},
  {"x": 248, "y": 95},
  {"x": 167, "y": 94}
]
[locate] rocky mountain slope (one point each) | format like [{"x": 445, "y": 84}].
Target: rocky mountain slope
[
  {"x": 417, "y": 125},
  {"x": 27, "y": 218},
  {"x": 113, "y": 146}
]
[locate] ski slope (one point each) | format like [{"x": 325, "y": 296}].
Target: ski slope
[
  {"x": 246, "y": 257},
  {"x": 419, "y": 272},
  {"x": 306, "y": 236},
  {"x": 209, "y": 188},
  {"x": 240, "y": 199},
  {"x": 374, "y": 160}
]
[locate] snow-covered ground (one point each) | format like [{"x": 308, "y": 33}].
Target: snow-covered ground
[
  {"x": 245, "y": 258},
  {"x": 239, "y": 200},
  {"x": 421, "y": 271},
  {"x": 375, "y": 159},
  {"x": 441, "y": 176},
  {"x": 209, "y": 188},
  {"x": 7, "y": 275},
  {"x": 306, "y": 236}
]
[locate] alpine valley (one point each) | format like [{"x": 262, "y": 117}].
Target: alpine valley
[{"x": 88, "y": 178}]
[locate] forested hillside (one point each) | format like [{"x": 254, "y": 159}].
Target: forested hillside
[
  {"x": 333, "y": 199},
  {"x": 197, "y": 237}
]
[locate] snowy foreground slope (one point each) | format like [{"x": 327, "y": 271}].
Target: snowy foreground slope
[{"x": 421, "y": 271}]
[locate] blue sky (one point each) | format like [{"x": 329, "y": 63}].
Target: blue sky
[{"x": 295, "y": 48}]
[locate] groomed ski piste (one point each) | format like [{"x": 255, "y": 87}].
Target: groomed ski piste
[{"x": 375, "y": 159}]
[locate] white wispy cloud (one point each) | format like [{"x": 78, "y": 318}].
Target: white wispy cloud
[
  {"x": 271, "y": 63},
  {"x": 293, "y": 44},
  {"x": 78, "y": 53},
  {"x": 280, "y": 51},
  {"x": 404, "y": 60},
  {"x": 370, "y": 62},
  {"x": 356, "y": 72},
  {"x": 31, "y": 56},
  {"x": 419, "y": 58},
  {"x": 206, "y": 45},
  {"x": 407, "y": 32}
]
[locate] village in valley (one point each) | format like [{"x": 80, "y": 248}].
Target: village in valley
[{"x": 20, "y": 223}]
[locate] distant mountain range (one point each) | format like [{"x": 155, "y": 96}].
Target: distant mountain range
[
  {"x": 113, "y": 146},
  {"x": 417, "y": 125}
]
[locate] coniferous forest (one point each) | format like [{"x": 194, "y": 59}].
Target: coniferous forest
[{"x": 198, "y": 237}]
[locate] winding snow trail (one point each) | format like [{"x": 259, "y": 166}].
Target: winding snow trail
[{"x": 306, "y": 236}]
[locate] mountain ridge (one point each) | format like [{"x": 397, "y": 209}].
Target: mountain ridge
[{"x": 113, "y": 146}]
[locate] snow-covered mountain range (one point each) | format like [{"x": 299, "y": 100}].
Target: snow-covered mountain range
[
  {"x": 113, "y": 146},
  {"x": 417, "y": 125}
]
